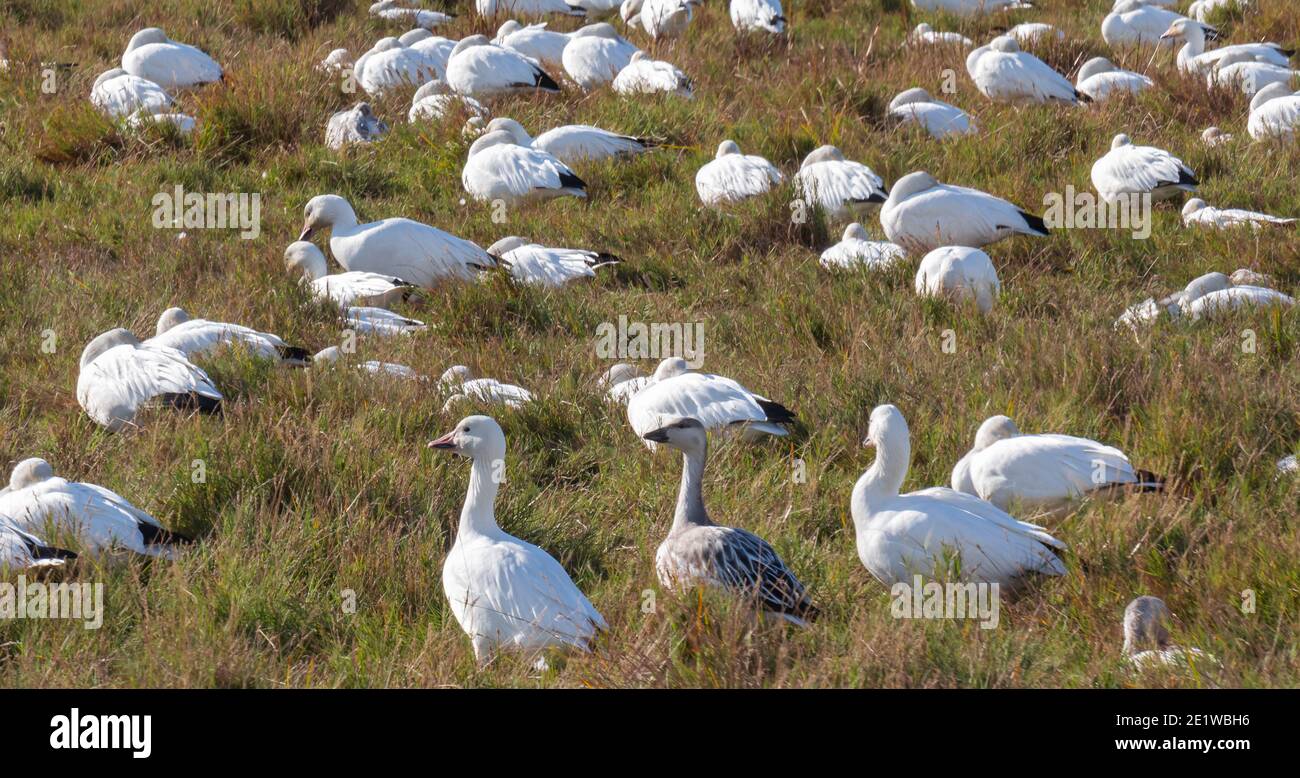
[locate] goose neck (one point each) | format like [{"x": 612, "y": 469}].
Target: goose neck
[
  {"x": 477, "y": 517},
  {"x": 883, "y": 480},
  {"x": 690, "y": 499}
]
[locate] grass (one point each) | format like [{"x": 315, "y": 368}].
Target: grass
[{"x": 319, "y": 485}]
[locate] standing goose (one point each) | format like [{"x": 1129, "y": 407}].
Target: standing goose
[
  {"x": 21, "y": 550},
  {"x": 500, "y": 169},
  {"x": 959, "y": 273},
  {"x": 99, "y": 518},
  {"x": 461, "y": 380},
  {"x": 1146, "y": 637},
  {"x": 698, "y": 552},
  {"x": 757, "y": 16},
  {"x": 643, "y": 75},
  {"x": 506, "y": 594},
  {"x": 856, "y": 249},
  {"x": 840, "y": 186},
  {"x": 719, "y": 403},
  {"x": 435, "y": 100},
  {"x": 153, "y": 56},
  {"x": 1193, "y": 58},
  {"x": 1197, "y": 213},
  {"x": 1130, "y": 170},
  {"x": 415, "y": 252},
  {"x": 596, "y": 54},
  {"x": 1274, "y": 113},
  {"x": 353, "y": 287},
  {"x": 200, "y": 337},
  {"x": 902, "y": 535},
  {"x": 922, "y": 214},
  {"x": 1006, "y": 74},
  {"x": 479, "y": 69},
  {"x": 732, "y": 176},
  {"x": 1099, "y": 79},
  {"x": 916, "y": 106},
  {"x": 118, "y": 94},
  {"x": 1043, "y": 472},
  {"x": 573, "y": 143},
  {"x": 119, "y": 376},
  {"x": 537, "y": 265}
]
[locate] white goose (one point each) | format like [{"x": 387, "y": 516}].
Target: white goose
[
  {"x": 840, "y": 186},
  {"x": 1274, "y": 113},
  {"x": 959, "y": 273},
  {"x": 719, "y": 403},
  {"x": 491, "y": 9},
  {"x": 535, "y": 42},
  {"x": 390, "y": 65},
  {"x": 968, "y": 7},
  {"x": 1201, "y": 10},
  {"x": 922, "y": 214},
  {"x": 538, "y": 265},
  {"x": 415, "y": 252},
  {"x": 499, "y": 168},
  {"x": 100, "y": 519},
  {"x": 357, "y": 124},
  {"x": 1004, "y": 73},
  {"x": 732, "y": 176},
  {"x": 573, "y": 143},
  {"x": 1197, "y": 214},
  {"x": 1146, "y": 638},
  {"x": 479, "y": 69},
  {"x": 698, "y": 552},
  {"x": 648, "y": 76},
  {"x": 152, "y": 55},
  {"x": 369, "y": 320},
  {"x": 666, "y": 18},
  {"x": 1193, "y": 58},
  {"x": 856, "y": 249},
  {"x": 1246, "y": 72},
  {"x": 20, "y": 550},
  {"x": 925, "y": 35},
  {"x": 757, "y": 16},
  {"x": 903, "y": 535},
  {"x": 390, "y": 10},
  {"x": 461, "y": 380},
  {"x": 200, "y": 337},
  {"x": 622, "y": 381},
  {"x": 1137, "y": 23},
  {"x": 183, "y": 123},
  {"x": 353, "y": 287},
  {"x": 1288, "y": 465},
  {"x": 1029, "y": 33},
  {"x": 1234, "y": 298},
  {"x": 596, "y": 54},
  {"x": 119, "y": 94},
  {"x": 506, "y": 594},
  {"x": 119, "y": 376},
  {"x": 1213, "y": 136},
  {"x": 941, "y": 120},
  {"x": 1128, "y": 170},
  {"x": 1043, "y": 472},
  {"x": 1100, "y": 79},
  {"x": 435, "y": 48},
  {"x": 333, "y": 354},
  {"x": 436, "y": 100}
]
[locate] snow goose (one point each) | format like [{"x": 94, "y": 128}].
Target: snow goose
[
  {"x": 1137, "y": 23},
  {"x": 1004, "y": 73},
  {"x": 357, "y": 124},
  {"x": 757, "y": 16},
  {"x": 666, "y": 18},
  {"x": 573, "y": 143},
  {"x": 435, "y": 48},
  {"x": 1130, "y": 170},
  {"x": 1234, "y": 298},
  {"x": 916, "y": 106},
  {"x": 622, "y": 381},
  {"x": 491, "y": 9},
  {"x": 100, "y": 519},
  {"x": 647, "y": 76},
  {"x": 1193, "y": 58},
  {"x": 1288, "y": 464},
  {"x": 857, "y": 249},
  {"x": 21, "y": 550},
  {"x": 333, "y": 354},
  {"x": 630, "y": 12},
  {"x": 925, "y": 35},
  {"x": 596, "y": 54},
  {"x": 1213, "y": 136},
  {"x": 390, "y": 65},
  {"x": 1197, "y": 213},
  {"x": 369, "y": 320},
  {"x": 919, "y": 533},
  {"x": 152, "y": 55},
  {"x": 183, "y": 123},
  {"x": 500, "y": 169},
  {"x": 435, "y": 100},
  {"x": 505, "y": 593},
  {"x": 922, "y": 214},
  {"x": 1099, "y": 79},
  {"x": 200, "y": 337},
  {"x": 337, "y": 61},
  {"x": 479, "y": 69},
  {"x": 1146, "y": 638},
  {"x": 969, "y": 7},
  {"x": 537, "y": 265},
  {"x": 840, "y": 186},
  {"x": 1274, "y": 113},
  {"x": 461, "y": 380},
  {"x": 1247, "y": 73},
  {"x": 1043, "y": 472},
  {"x": 1201, "y": 10},
  {"x": 1029, "y": 33},
  {"x": 731, "y": 176},
  {"x": 406, "y": 249},
  {"x": 119, "y": 376},
  {"x": 718, "y": 402},
  {"x": 959, "y": 273},
  {"x": 698, "y": 552},
  {"x": 353, "y": 287},
  {"x": 535, "y": 42},
  {"x": 119, "y": 94},
  {"x": 390, "y": 10}
]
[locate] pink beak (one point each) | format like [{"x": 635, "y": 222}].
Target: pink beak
[
  {"x": 306, "y": 231},
  {"x": 446, "y": 442}
]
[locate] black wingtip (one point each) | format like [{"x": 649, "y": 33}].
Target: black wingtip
[
  {"x": 294, "y": 354},
  {"x": 776, "y": 412},
  {"x": 191, "y": 401},
  {"x": 1081, "y": 97},
  {"x": 49, "y": 552},
  {"x": 1187, "y": 178},
  {"x": 570, "y": 181},
  {"x": 161, "y": 536},
  {"x": 544, "y": 81},
  {"x": 1036, "y": 223},
  {"x": 603, "y": 258}
]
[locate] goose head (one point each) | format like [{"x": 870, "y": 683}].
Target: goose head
[
  {"x": 107, "y": 74},
  {"x": 521, "y": 136},
  {"x": 1005, "y": 44},
  {"x": 305, "y": 257},
  {"x": 477, "y": 437},
  {"x": 1145, "y": 625},
  {"x": 146, "y": 36},
  {"x": 1119, "y": 141},
  {"x": 639, "y": 56},
  {"x": 687, "y": 435},
  {"x": 1094, "y": 66},
  {"x": 629, "y": 9},
  {"x": 909, "y": 96},
  {"x": 727, "y": 147},
  {"x": 414, "y": 36},
  {"x": 993, "y": 429},
  {"x": 1270, "y": 92},
  {"x": 1203, "y": 285},
  {"x": 1192, "y": 206},
  {"x": 670, "y": 368},
  {"x": 101, "y": 343},
  {"x": 509, "y": 26},
  {"x": 911, "y": 184},
  {"x": 887, "y": 428},
  {"x": 170, "y": 318},
  {"x": 469, "y": 42},
  {"x": 619, "y": 373},
  {"x": 28, "y": 472},
  {"x": 325, "y": 211},
  {"x": 822, "y": 154},
  {"x": 855, "y": 231},
  {"x": 1188, "y": 30},
  {"x": 490, "y": 139}
]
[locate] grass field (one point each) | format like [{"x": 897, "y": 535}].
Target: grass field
[{"x": 319, "y": 483}]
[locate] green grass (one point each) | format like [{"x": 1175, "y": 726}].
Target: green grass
[{"x": 319, "y": 482}]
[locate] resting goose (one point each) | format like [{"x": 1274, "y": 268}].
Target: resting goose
[
  {"x": 435, "y": 100},
  {"x": 1288, "y": 464},
  {"x": 21, "y": 550},
  {"x": 596, "y": 54},
  {"x": 925, "y": 35},
  {"x": 120, "y": 375},
  {"x": 1131, "y": 170},
  {"x": 574, "y": 143},
  {"x": 333, "y": 354},
  {"x": 1274, "y": 113},
  {"x": 537, "y": 265},
  {"x": 1099, "y": 79},
  {"x": 435, "y": 48},
  {"x": 506, "y": 594},
  {"x": 183, "y": 123},
  {"x": 118, "y": 94},
  {"x": 415, "y": 252},
  {"x": 1137, "y": 23},
  {"x": 500, "y": 169},
  {"x": 491, "y": 9},
  {"x": 535, "y": 42},
  {"x": 488, "y": 390},
  {"x": 354, "y": 287},
  {"x": 1043, "y": 472},
  {"x": 1029, "y": 33},
  {"x": 928, "y": 531},
  {"x": 840, "y": 186},
  {"x": 200, "y": 337},
  {"x": 648, "y": 76},
  {"x": 390, "y": 10},
  {"x": 336, "y": 62},
  {"x": 959, "y": 273},
  {"x": 1193, "y": 58},
  {"x": 153, "y": 56},
  {"x": 622, "y": 381},
  {"x": 1004, "y": 73},
  {"x": 357, "y": 124},
  {"x": 479, "y": 69},
  {"x": 369, "y": 320},
  {"x": 1197, "y": 214},
  {"x": 1146, "y": 638},
  {"x": 732, "y": 176},
  {"x": 717, "y": 402},
  {"x": 391, "y": 65},
  {"x": 922, "y": 214},
  {"x": 969, "y": 7},
  {"x": 698, "y": 552},
  {"x": 916, "y": 106},
  {"x": 856, "y": 249},
  {"x": 100, "y": 519},
  {"x": 757, "y": 16},
  {"x": 1213, "y": 136},
  {"x": 1201, "y": 10},
  {"x": 1234, "y": 298},
  {"x": 666, "y": 18},
  {"x": 1245, "y": 72}
]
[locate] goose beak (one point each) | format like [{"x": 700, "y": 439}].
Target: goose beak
[
  {"x": 868, "y": 443},
  {"x": 307, "y": 230},
  {"x": 657, "y": 436},
  {"x": 1168, "y": 34},
  {"x": 446, "y": 442}
]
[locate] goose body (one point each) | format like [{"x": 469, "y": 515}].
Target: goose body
[
  {"x": 1099, "y": 79},
  {"x": 332, "y": 354},
  {"x": 666, "y": 18},
  {"x": 120, "y": 376},
  {"x": 923, "y": 214},
  {"x": 1274, "y": 113},
  {"x": 435, "y": 100},
  {"x": 153, "y": 56},
  {"x": 840, "y": 186},
  {"x": 596, "y": 54},
  {"x": 643, "y": 75},
  {"x": 757, "y": 16},
  {"x": 1128, "y": 170},
  {"x": 968, "y": 7},
  {"x": 500, "y": 169},
  {"x": 391, "y": 65},
  {"x": 1004, "y": 73},
  {"x": 1197, "y": 214},
  {"x": 1146, "y": 638},
  {"x": 489, "y": 9},
  {"x": 369, "y": 320},
  {"x": 1244, "y": 72},
  {"x": 1136, "y": 23},
  {"x": 731, "y": 176},
  {"x": 118, "y": 94},
  {"x": 1236, "y": 298},
  {"x": 959, "y": 273},
  {"x": 717, "y": 402},
  {"x": 535, "y": 42},
  {"x": 481, "y": 70},
  {"x": 352, "y": 287},
  {"x": 856, "y": 249},
  {"x": 389, "y": 10},
  {"x": 461, "y": 380},
  {"x": 941, "y": 120},
  {"x": 573, "y": 143},
  {"x": 358, "y": 124},
  {"x": 200, "y": 337},
  {"x": 925, "y": 35},
  {"x": 20, "y": 550},
  {"x": 538, "y": 265}
]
